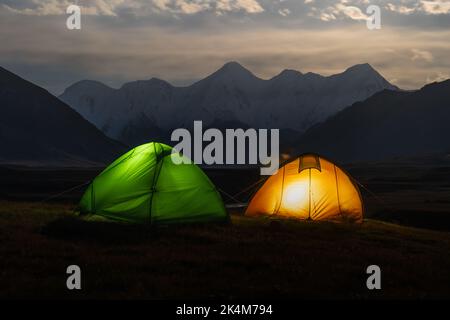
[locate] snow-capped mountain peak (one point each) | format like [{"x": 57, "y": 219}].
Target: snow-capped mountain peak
[{"x": 232, "y": 94}]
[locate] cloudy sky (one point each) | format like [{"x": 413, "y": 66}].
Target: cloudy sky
[{"x": 184, "y": 40}]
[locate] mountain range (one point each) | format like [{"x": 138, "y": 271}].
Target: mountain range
[
  {"x": 36, "y": 128},
  {"x": 146, "y": 110},
  {"x": 388, "y": 125}
]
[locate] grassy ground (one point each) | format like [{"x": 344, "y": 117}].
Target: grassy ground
[{"x": 249, "y": 259}]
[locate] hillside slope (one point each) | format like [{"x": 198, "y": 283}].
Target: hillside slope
[
  {"x": 388, "y": 125},
  {"x": 38, "y": 129}
]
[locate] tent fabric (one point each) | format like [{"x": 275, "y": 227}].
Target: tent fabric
[
  {"x": 145, "y": 185},
  {"x": 309, "y": 188}
]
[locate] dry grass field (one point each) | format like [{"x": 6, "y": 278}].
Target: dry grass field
[{"x": 250, "y": 258}]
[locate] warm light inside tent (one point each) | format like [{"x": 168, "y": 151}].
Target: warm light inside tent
[
  {"x": 295, "y": 195},
  {"x": 309, "y": 188}
]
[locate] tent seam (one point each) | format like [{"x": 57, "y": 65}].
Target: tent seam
[
  {"x": 337, "y": 190},
  {"x": 282, "y": 192}
]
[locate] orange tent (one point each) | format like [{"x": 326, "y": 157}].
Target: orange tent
[{"x": 309, "y": 188}]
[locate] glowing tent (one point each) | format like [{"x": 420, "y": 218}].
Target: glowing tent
[
  {"x": 309, "y": 188},
  {"x": 145, "y": 185}
]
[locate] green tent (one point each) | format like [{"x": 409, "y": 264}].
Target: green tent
[{"x": 145, "y": 185}]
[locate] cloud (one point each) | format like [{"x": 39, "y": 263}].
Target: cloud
[
  {"x": 249, "y": 6},
  {"x": 338, "y": 10},
  {"x": 401, "y": 9},
  {"x": 44, "y": 8},
  {"x": 136, "y": 7},
  {"x": 109, "y": 52},
  {"x": 327, "y": 16},
  {"x": 352, "y": 12},
  {"x": 58, "y": 7},
  {"x": 184, "y": 40},
  {"x": 436, "y": 7},
  {"x": 422, "y": 55},
  {"x": 188, "y": 7},
  {"x": 433, "y": 7},
  {"x": 437, "y": 77},
  {"x": 284, "y": 12}
]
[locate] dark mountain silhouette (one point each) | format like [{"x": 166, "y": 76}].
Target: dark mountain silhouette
[
  {"x": 390, "y": 124},
  {"x": 291, "y": 101},
  {"x": 37, "y": 128}
]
